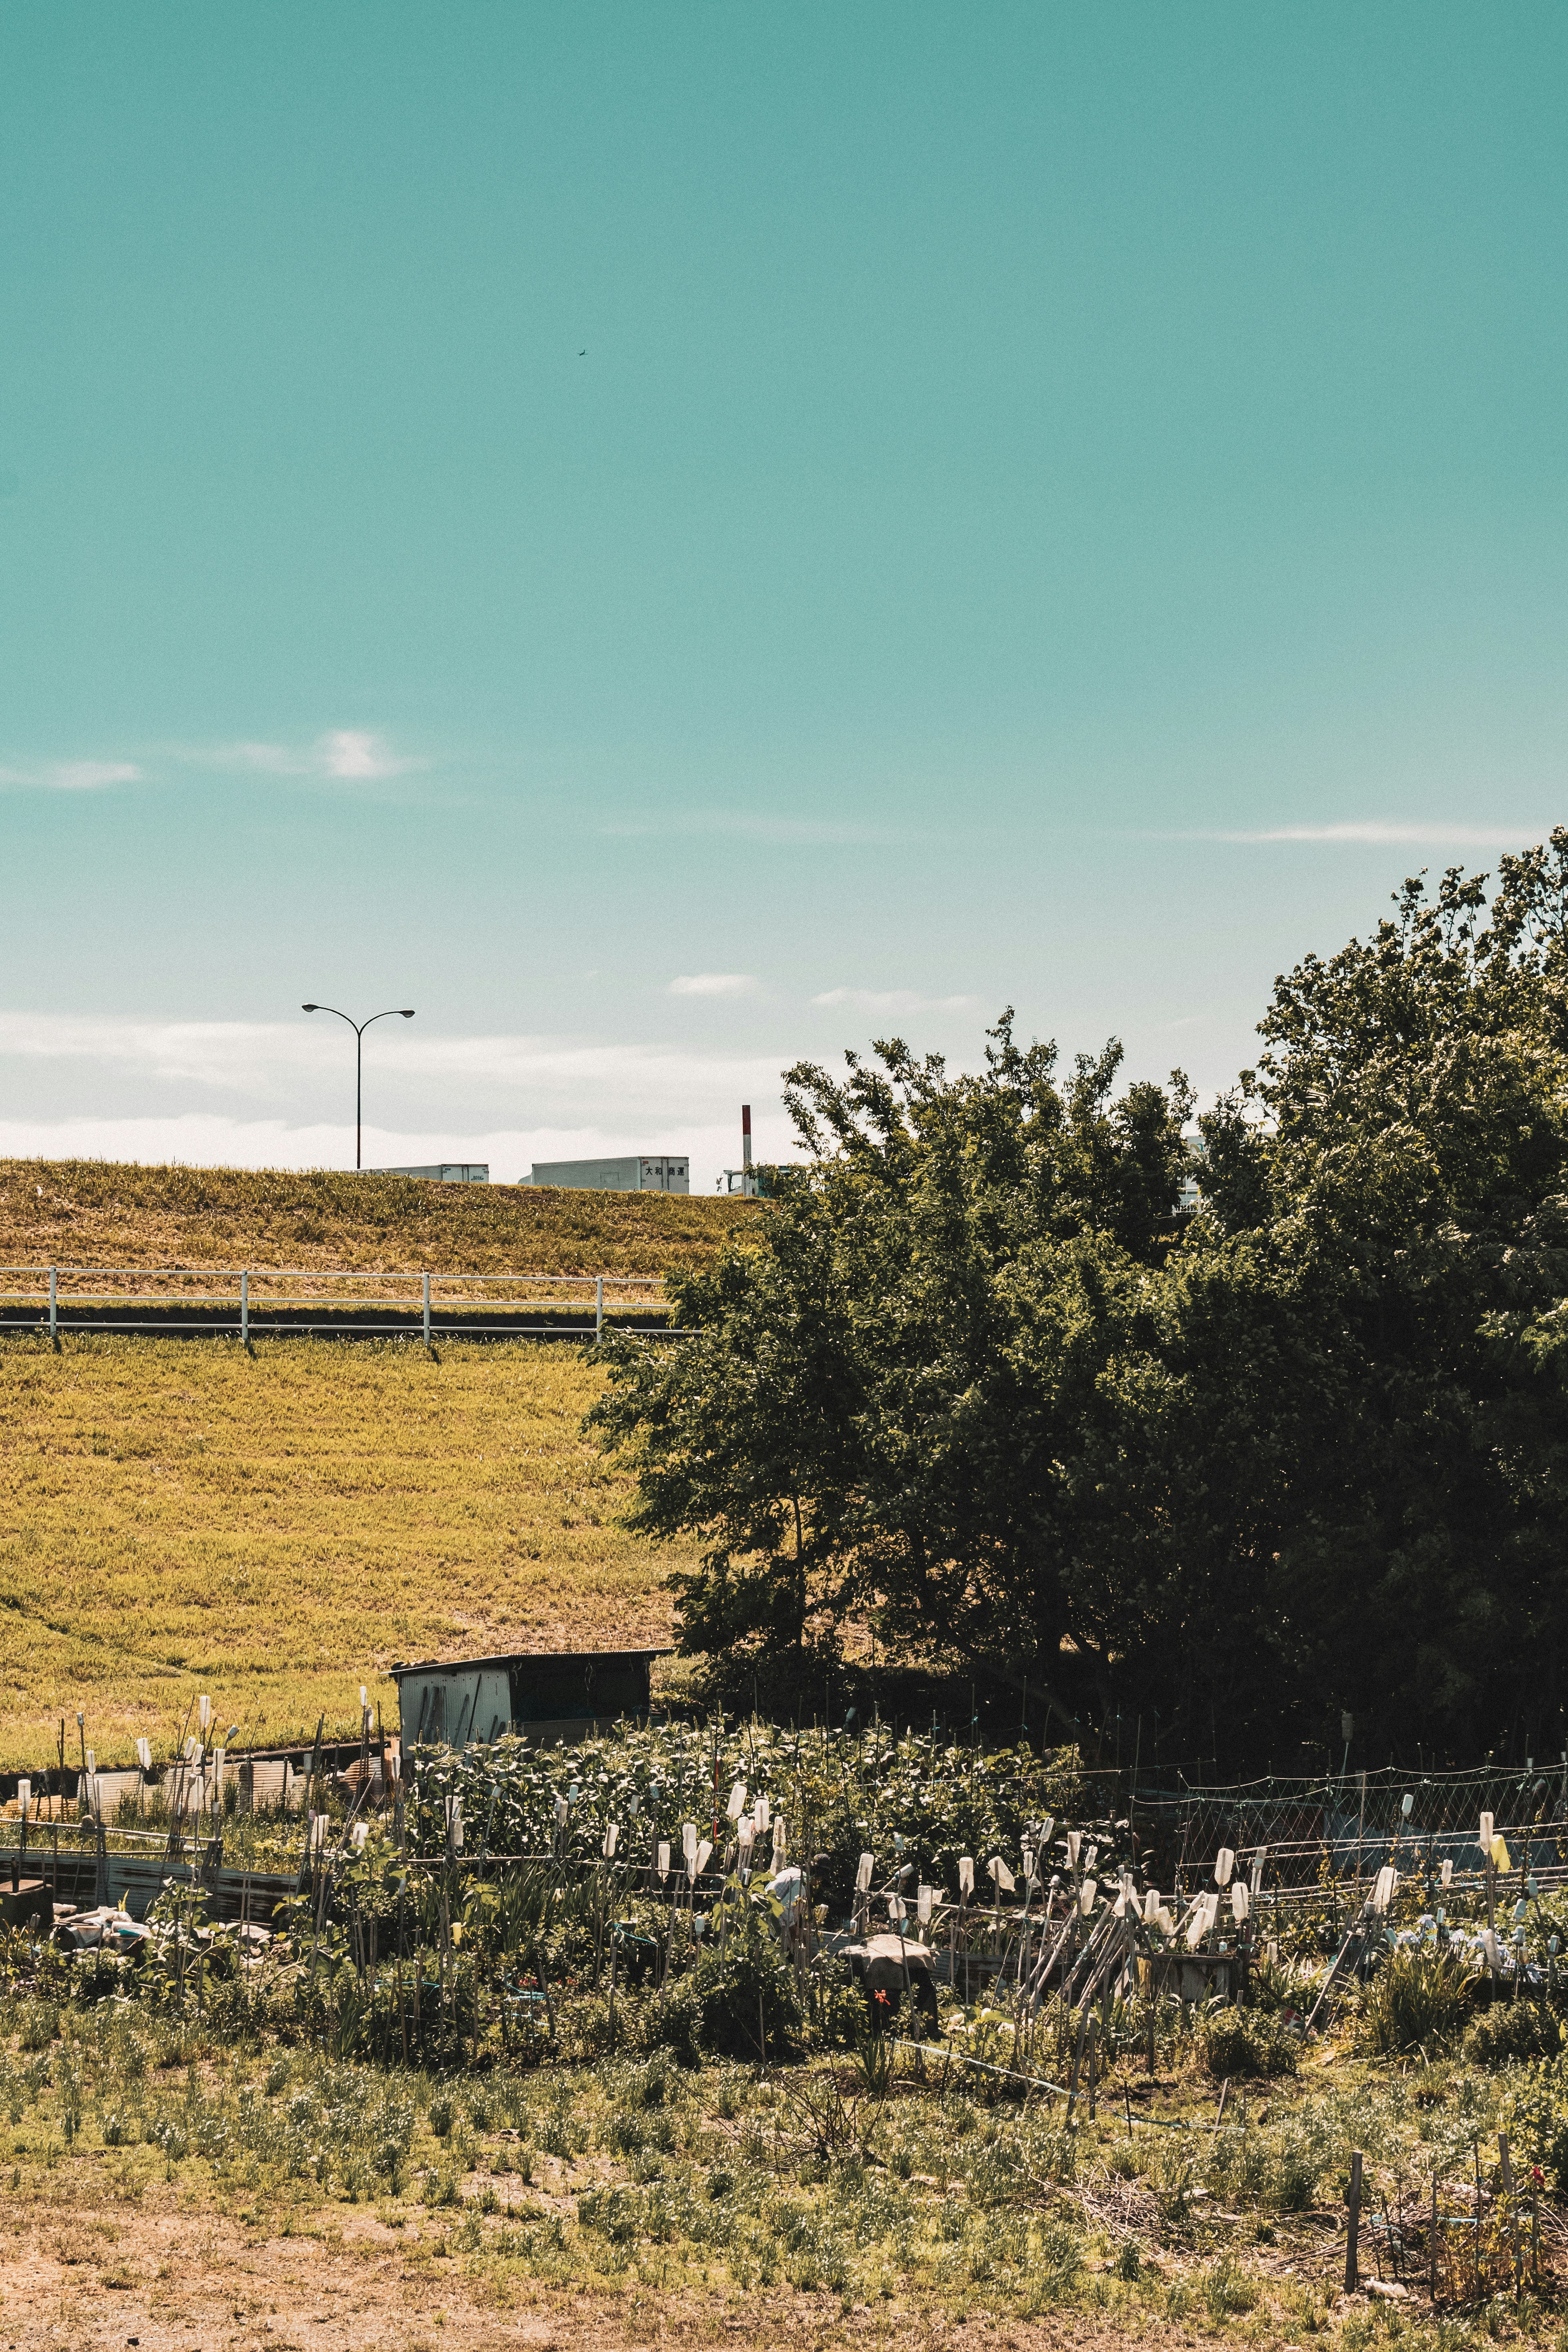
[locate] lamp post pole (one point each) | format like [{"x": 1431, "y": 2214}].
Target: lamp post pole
[{"x": 397, "y": 1012}]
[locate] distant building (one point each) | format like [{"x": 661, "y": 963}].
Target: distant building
[
  {"x": 550, "y": 1695},
  {"x": 652, "y": 1173},
  {"x": 444, "y": 1172}
]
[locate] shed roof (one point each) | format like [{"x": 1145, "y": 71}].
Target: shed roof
[{"x": 527, "y": 1657}]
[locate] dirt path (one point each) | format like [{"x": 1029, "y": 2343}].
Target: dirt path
[{"x": 100, "y": 2282}]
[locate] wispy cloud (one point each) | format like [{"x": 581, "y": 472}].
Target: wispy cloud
[
  {"x": 712, "y": 983},
  {"x": 355, "y": 755},
  {"x": 262, "y": 1057},
  {"x": 893, "y": 1000},
  {"x": 344, "y": 754},
  {"x": 72, "y": 775},
  {"x": 1434, "y": 832},
  {"x": 745, "y": 824},
  {"x": 348, "y": 755},
  {"x": 276, "y": 1094}
]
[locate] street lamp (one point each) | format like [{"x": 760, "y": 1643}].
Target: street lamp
[{"x": 397, "y": 1013}]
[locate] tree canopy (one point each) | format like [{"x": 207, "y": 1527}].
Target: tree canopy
[{"x": 974, "y": 1377}]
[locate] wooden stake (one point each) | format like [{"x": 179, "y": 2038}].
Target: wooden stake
[
  {"x": 1353, "y": 2223},
  {"x": 1077, "y": 2060},
  {"x": 1507, "y": 2170}
]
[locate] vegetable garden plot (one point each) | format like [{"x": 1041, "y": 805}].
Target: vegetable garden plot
[{"x": 763, "y": 1912}]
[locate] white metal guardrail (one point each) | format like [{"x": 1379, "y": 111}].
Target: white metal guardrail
[{"x": 230, "y": 1301}]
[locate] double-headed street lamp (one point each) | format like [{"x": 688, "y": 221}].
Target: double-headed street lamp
[{"x": 397, "y": 1013}]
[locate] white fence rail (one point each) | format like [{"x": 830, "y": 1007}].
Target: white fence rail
[{"x": 234, "y": 1301}]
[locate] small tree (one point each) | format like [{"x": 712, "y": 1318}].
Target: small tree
[{"x": 889, "y": 1394}]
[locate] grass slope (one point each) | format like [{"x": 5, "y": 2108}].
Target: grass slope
[
  {"x": 96, "y": 1213},
  {"x": 275, "y": 1529}
]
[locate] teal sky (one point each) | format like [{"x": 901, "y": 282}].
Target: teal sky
[{"x": 873, "y": 514}]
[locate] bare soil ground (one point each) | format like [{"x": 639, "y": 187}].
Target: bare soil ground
[{"x": 177, "y": 2282}]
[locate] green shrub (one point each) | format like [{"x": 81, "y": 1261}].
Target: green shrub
[
  {"x": 1227, "y": 2289},
  {"x": 1172, "y": 2176},
  {"x": 1239, "y": 2042},
  {"x": 652, "y": 2085},
  {"x": 1512, "y": 2029},
  {"x": 1418, "y": 1999},
  {"x": 1299, "y": 2158},
  {"x": 842, "y": 2012},
  {"x": 40, "y": 2025},
  {"x": 1535, "y": 2112},
  {"x": 742, "y": 2003}
]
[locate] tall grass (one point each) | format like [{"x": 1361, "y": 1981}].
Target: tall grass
[
  {"x": 278, "y": 1528},
  {"x": 94, "y": 1212},
  {"x": 1417, "y": 2000}
]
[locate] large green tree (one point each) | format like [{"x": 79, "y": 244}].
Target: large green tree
[
  {"x": 1390, "y": 1180},
  {"x": 888, "y": 1399},
  {"x": 970, "y": 1375}
]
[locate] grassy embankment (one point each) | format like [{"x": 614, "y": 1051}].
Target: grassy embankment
[
  {"x": 179, "y": 1517},
  {"x": 275, "y": 1529},
  {"x": 93, "y": 1213}
]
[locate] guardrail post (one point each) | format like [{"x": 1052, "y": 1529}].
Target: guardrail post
[
  {"x": 54, "y": 1308},
  {"x": 599, "y": 1306},
  {"x": 426, "y": 1306},
  {"x": 245, "y": 1306}
]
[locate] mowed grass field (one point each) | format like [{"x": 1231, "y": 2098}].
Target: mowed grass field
[
  {"x": 97, "y": 1213},
  {"x": 277, "y": 1527}
]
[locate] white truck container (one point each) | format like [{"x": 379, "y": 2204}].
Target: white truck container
[
  {"x": 640, "y": 1172},
  {"x": 445, "y": 1171}
]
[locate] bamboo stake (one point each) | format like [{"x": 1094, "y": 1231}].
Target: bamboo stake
[
  {"x": 1077, "y": 2060},
  {"x": 1507, "y": 2170}
]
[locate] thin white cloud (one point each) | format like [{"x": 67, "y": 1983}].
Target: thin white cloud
[
  {"x": 264, "y": 759},
  {"x": 72, "y": 775},
  {"x": 345, "y": 754},
  {"x": 355, "y": 753},
  {"x": 893, "y": 1000},
  {"x": 712, "y": 983},
  {"x": 1436, "y": 834},
  {"x": 782, "y": 832},
  {"x": 275, "y": 1094},
  {"x": 574, "y": 1076}
]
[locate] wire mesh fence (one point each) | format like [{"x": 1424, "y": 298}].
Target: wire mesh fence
[{"x": 1347, "y": 1825}]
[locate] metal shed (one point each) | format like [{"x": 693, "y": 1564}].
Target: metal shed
[{"x": 550, "y": 1695}]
